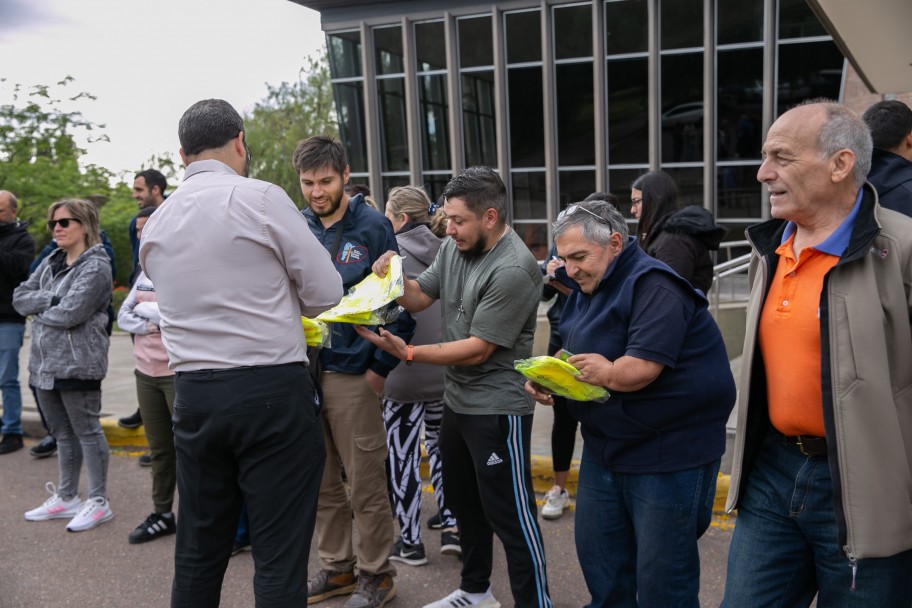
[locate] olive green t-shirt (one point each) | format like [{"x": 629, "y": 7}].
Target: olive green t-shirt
[{"x": 493, "y": 297}]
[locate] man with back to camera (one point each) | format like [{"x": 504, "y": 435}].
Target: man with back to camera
[
  {"x": 234, "y": 268},
  {"x": 891, "y": 161},
  {"x": 17, "y": 247},
  {"x": 489, "y": 286},
  {"x": 823, "y": 448},
  {"x": 353, "y": 376}
]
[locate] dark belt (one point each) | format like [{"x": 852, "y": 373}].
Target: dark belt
[{"x": 808, "y": 444}]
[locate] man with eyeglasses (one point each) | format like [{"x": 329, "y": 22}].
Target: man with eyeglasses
[
  {"x": 16, "y": 250},
  {"x": 651, "y": 452},
  {"x": 234, "y": 268},
  {"x": 489, "y": 286}
]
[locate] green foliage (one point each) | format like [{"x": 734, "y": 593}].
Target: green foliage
[
  {"x": 40, "y": 163},
  {"x": 289, "y": 113},
  {"x": 115, "y": 218},
  {"x": 39, "y": 156}
]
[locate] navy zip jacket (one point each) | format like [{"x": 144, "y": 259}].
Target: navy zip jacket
[
  {"x": 891, "y": 176},
  {"x": 366, "y": 235},
  {"x": 641, "y": 308}
]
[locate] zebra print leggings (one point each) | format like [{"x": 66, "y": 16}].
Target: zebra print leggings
[{"x": 403, "y": 435}]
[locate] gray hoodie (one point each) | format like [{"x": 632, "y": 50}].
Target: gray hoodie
[
  {"x": 67, "y": 305},
  {"x": 421, "y": 381}
]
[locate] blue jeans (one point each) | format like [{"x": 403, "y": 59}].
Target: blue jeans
[
  {"x": 636, "y": 534},
  {"x": 785, "y": 548},
  {"x": 10, "y": 342},
  {"x": 74, "y": 420}
]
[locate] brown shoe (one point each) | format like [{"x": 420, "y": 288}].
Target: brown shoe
[
  {"x": 329, "y": 583},
  {"x": 374, "y": 591}
]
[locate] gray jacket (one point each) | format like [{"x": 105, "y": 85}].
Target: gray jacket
[
  {"x": 421, "y": 381},
  {"x": 67, "y": 307},
  {"x": 866, "y": 379}
]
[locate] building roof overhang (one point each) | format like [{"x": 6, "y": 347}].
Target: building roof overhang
[{"x": 874, "y": 36}]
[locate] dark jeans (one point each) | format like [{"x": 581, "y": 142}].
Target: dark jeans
[
  {"x": 636, "y": 534},
  {"x": 785, "y": 547},
  {"x": 247, "y": 433}
]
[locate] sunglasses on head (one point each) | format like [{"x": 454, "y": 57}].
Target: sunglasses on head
[
  {"x": 64, "y": 222},
  {"x": 576, "y": 207}
]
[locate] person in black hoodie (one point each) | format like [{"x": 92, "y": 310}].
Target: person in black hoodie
[
  {"x": 891, "y": 162},
  {"x": 682, "y": 238},
  {"x": 16, "y": 250}
]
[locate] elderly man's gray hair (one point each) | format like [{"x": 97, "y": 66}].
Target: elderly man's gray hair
[
  {"x": 844, "y": 129},
  {"x": 597, "y": 219}
]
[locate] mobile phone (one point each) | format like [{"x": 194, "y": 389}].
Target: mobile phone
[{"x": 564, "y": 354}]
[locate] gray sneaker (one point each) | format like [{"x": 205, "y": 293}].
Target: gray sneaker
[
  {"x": 329, "y": 583},
  {"x": 373, "y": 591}
]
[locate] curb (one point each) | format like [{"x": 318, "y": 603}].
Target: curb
[{"x": 542, "y": 475}]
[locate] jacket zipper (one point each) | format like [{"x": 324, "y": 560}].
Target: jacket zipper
[{"x": 853, "y": 564}]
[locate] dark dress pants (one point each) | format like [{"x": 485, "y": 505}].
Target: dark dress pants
[{"x": 247, "y": 433}]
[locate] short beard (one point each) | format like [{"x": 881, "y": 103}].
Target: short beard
[
  {"x": 478, "y": 249},
  {"x": 334, "y": 205}
]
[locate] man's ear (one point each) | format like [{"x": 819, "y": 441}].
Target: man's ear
[
  {"x": 183, "y": 157},
  {"x": 345, "y": 175},
  {"x": 842, "y": 164}
]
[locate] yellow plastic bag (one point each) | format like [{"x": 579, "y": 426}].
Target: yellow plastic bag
[
  {"x": 559, "y": 378},
  {"x": 316, "y": 333},
  {"x": 366, "y": 303}
]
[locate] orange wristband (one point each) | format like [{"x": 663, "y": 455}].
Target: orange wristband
[{"x": 409, "y": 353}]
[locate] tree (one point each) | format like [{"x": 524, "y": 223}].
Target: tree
[
  {"x": 40, "y": 160},
  {"x": 289, "y": 113}
]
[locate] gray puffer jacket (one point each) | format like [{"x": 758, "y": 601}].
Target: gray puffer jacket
[{"x": 67, "y": 305}]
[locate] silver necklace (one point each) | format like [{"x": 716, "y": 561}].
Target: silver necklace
[{"x": 474, "y": 270}]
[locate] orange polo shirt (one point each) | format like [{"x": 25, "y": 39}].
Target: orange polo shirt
[{"x": 789, "y": 335}]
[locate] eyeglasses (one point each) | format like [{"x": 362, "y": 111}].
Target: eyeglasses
[
  {"x": 574, "y": 208},
  {"x": 64, "y": 222},
  {"x": 636, "y": 201}
]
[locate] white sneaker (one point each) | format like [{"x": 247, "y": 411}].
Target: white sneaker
[
  {"x": 54, "y": 507},
  {"x": 95, "y": 511},
  {"x": 556, "y": 500},
  {"x": 461, "y": 599}
]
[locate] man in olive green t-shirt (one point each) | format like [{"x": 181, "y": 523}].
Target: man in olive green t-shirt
[{"x": 489, "y": 285}]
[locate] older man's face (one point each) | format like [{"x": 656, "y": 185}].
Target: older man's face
[
  {"x": 586, "y": 262},
  {"x": 798, "y": 179},
  {"x": 7, "y": 213}
]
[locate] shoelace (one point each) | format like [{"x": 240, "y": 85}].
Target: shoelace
[{"x": 52, "y": 490}]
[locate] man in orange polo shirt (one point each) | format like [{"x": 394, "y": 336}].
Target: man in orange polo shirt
[{"x": 822, "y": 470}]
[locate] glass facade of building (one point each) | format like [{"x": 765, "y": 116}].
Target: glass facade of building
[{"x": 568, "y": 98}]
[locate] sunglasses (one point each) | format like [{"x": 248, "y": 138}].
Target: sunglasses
[
  {"x": 64, "y": 222},
  {"x": 574, "y": 208}
]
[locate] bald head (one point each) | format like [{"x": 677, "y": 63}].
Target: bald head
[
  {"x": 816, "y": 157},
  {"x": 8, "y": 207}
]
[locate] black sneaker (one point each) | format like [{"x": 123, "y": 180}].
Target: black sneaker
[
  {"x": 44, "y": 448},
  {"x": 145, "y": 460},
  {"x": 435, "y": 522},
  {"x": 413, "y": 555},
  {"x": 155, "y": 526},
  {"x": 449, "y": 543},
  {"x": 11, "y": 443},
  {"x": 132, "y": 421}
]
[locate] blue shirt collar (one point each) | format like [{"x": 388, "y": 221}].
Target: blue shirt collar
[{"x": 838, "y": 242}]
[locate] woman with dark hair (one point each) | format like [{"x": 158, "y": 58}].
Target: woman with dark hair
[
  {"x": 682, "y": 238},
  {"x": 67, "y": 297}
]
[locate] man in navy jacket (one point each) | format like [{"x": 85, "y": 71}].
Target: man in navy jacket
[
  {"x": 352, "y": 378},
  {"x": 891, "y": 161},
  {"x": 651, "y": 452}
]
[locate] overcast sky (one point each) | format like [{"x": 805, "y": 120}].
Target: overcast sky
[{"x": 148, "y": 61}]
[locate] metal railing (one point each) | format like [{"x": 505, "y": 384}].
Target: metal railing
[{"x": 730, "y": 276}]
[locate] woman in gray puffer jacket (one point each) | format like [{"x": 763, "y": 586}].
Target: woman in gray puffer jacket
[{"x": 67, "y": 297}]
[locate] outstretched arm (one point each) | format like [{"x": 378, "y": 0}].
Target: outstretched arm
[
  {"x": 414, "y": 300},
  {"x": 470, "y": 351}
]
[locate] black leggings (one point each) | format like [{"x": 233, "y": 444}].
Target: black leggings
[{"x": 563, "y": 436}]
